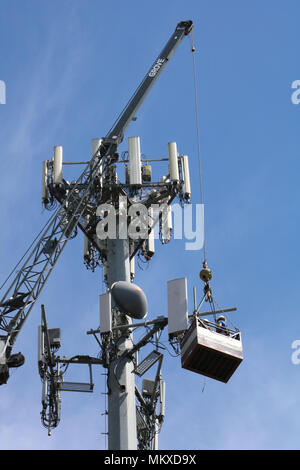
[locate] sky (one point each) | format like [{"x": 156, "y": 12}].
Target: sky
[{"x": 69, "y": 68}]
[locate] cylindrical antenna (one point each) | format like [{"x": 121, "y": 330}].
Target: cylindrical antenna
[
  {"x": 173, "y": 161},
  {"x": 162, "y": 398},
  {"x": 57, "y": 164},
  {"x": 86, "y": 248},
  {"x": 45, "y": 191},
  {"x": 195, "y": 299},
  {"x": 134, "y": 151}
]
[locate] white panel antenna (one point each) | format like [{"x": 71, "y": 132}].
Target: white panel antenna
[
  {"x": 132, "y": 268},
  {"x": 173, "y": 161},
  {"x": 186, "y": 177},
  {"x": 57, "y": 164},
  {"x": 105, "y": 313},
  {"x": 177, "y": 306},
  {"x": 134, "y": 151}
]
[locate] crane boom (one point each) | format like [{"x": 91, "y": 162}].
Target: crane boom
[
  {"x": 117, "y": 131},
  {"x": 75, "y": 203}
]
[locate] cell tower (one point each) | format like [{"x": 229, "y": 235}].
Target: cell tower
[{"x": 117, "y": 206}]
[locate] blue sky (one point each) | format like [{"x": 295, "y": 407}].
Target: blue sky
[{"x": 69, "y": 68}]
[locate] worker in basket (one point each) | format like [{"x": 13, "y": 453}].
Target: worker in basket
[{"x": 221, "y": 325}]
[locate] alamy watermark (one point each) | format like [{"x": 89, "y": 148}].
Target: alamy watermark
[
  {"x": 2, "y": 92},
  {"x": 295, "y": 357},
  {"x": 138, "y": 220},
  {"x": 295, "y": 96}
]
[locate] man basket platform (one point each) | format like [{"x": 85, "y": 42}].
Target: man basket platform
[{"x": 211, "y": 350}]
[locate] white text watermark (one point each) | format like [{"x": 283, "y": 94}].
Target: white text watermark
[
  {"x": 295, "y": 97},
  {"x": 295, "y": 357},
  {"x": 163, "y": 220}
]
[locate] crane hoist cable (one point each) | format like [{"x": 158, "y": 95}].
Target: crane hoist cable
[
  {"x": 205, "y": 273},
  {"x": 193, "y": 50}
]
